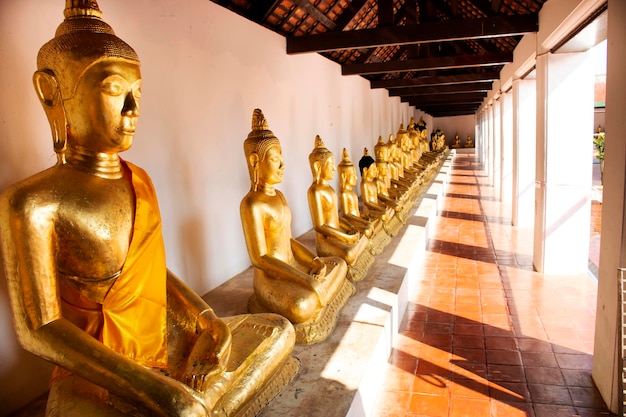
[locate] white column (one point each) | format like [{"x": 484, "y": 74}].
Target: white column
[
  {"x": 506, "y": 150},
  {"x": 497, "y": 146},
  {"x": 606, "y": 366},
  {"x": 565, "y": 91},
  {"x": 489, "y": 151},
  {"x": 524, "y": 132}
]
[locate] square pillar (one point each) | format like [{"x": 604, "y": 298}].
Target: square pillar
[
  {"x": 606, "y": 366},
  {"x": 506, "y": 150},
  {"x": 524, "y": 132},
  {"x": 565, "y": 92},
  {"x": 497, "y": 146}
]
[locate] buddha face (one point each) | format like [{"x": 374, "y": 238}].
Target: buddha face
[
  {"x": 102, "y": 114},
  {"x": 328, "y": 168},
  {"x": 372, "y": 172},
  {"x": 272, "y": 168},
  {"x": 350, "y": 173}
]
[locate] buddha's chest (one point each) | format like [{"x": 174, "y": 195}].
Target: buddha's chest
[{"x": 94, "y": 231}]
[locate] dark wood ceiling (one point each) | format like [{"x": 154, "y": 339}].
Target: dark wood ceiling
[{"x": 440, "y": 56}]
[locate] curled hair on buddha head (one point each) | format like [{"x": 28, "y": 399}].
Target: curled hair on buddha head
[
  {"x": 259, "y": 140},
  {"x": 318, "y": 155},
  {"x": 83, "y": 39}
]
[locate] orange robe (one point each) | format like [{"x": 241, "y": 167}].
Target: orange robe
[{"x": 135, "y": 309}]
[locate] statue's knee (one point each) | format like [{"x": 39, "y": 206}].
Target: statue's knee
[{"x": 304, "y": 309}]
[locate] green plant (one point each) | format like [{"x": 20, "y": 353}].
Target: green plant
[{"x": 598, "y": 143}]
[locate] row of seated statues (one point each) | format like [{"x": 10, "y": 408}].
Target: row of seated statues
[
  {"x": 82, "y": 249},
  {"x": 469, "y": 142}
]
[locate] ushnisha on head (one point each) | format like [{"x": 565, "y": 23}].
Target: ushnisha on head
[
  {"x": 257, "y": 144},
  {"x": 81, "y": 41},
  {"x": 318, "y": 157},
  {"x": 365, "y": 161},
  {"x": 346, "y": 169}
]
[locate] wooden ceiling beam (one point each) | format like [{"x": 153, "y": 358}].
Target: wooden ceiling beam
[
  {"x": 444, "y": 106},
  {"x": 429, "y": 64},
  {"x": 349, "y": 13},
  {"x": 313, "y": 11},
  {"x": 450, "y": 30},
  {"x": 452, "y": 113},
  {"x": 460, "y": 98},
  {"x": 436, "y": 80},
  {"x": 260, "y": 10},
  {"x": 444, "y": 89}
]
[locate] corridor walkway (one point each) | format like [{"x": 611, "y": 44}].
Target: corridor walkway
[{"x": 483, "y": 334}]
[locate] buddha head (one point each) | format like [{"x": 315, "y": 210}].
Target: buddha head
[
  {"x": 365, "y": 161},
  {"x": 381, "y": 151},
  {"x": 321, "y": 161},
  {"x": 347, "y": 171},
  {"x": 401, "y": 136},
  {"x": 263, "y": 153},
  {"x": 370, "y": 172},
  {"x": 89, "y": 82}
]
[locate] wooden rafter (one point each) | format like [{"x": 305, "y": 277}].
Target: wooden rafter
[
  {"x": 423, "y": 33},
  {"x": 428, "y": 64},
  {"x": 313, "y": 11},
  {"x": 441, "y": 89},
  {"x": 349, "y": 13},
  {"x": 436, "y": 80}
]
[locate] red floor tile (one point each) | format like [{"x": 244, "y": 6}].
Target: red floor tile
[{"x": 484, "y": 336}]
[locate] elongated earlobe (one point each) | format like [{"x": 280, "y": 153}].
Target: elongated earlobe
[
  {"x": 49, "y": 94},
  {"x": 253, "y": 160}
]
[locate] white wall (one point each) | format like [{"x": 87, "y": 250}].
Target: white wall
[
  {"x": 204, "y": 71},
  {"x": 464, "y": 126}
]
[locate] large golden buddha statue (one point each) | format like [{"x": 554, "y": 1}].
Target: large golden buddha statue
[
  {"x": 288, "y": 277},
  {"x": 334, "y": 236},
  {"x": 372, "y": 227},
  {"x": 83, "y": 253}
]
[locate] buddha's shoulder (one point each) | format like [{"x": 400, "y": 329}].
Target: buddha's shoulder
[
  {"x": 256, "y": 200},
  {"x": 43, "y": 189}
]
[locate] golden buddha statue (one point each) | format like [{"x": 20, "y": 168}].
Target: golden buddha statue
[
  {"x": 423, "y": 132},
  {"x": 413, "y": 142},
  {"x": 83, "y": 253},
  {"x": 373, "y": 207},
  {"x": 372, "y": 227},
  {"x": 389, "y": 191},
  {"x": 457, "y": 142},
  {"x": 289, "y": 278},
  {"x": 334, "y": 236},
  {"x": 469, "y": 143}
]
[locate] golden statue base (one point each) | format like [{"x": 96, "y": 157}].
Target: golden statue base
[
  {"x": 322, "y": 324},
  {"x": 271, "y": 389},
  {"x": 379, "y": 240},
  {"x": 358, "y": 270},
  {"x": 393, "y": 226},
  {"x": 73, "y": 396}
]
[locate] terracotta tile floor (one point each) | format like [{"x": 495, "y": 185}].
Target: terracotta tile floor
[{"x": 483, "y": 334}]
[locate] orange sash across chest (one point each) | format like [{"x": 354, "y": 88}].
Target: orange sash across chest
[{"x": 135, "y": 309}]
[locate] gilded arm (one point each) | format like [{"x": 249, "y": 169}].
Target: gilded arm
[{"x": 27, "y": 249}]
